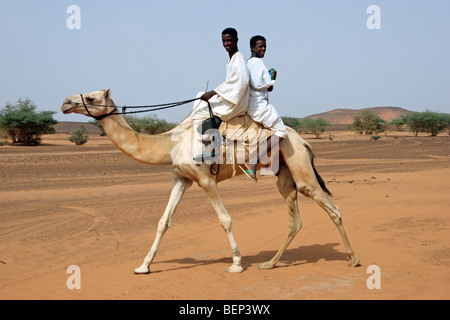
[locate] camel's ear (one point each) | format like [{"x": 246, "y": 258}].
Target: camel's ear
[{"x": 107, "y": 93}]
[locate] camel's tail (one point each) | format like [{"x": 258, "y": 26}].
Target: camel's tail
[{"x": 318, "y": 177}]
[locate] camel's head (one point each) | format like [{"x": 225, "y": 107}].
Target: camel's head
[{"x": 98, "y": 103}]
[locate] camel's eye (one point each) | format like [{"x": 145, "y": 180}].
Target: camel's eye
[{"x": 89, "y": 99}]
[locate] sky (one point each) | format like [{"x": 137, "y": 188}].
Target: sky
[{"x": 152, "y": 52}]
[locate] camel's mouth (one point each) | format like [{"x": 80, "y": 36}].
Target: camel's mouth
[{"x": 67, "y": 108}]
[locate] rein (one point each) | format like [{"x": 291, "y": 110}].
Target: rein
[
  {"x": 148, "y": 108},
  {"x": 215, "y": 121}
]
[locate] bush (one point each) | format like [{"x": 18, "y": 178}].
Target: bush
[
  {"x": 149, "y": 124},
  {"x": 23, "y": 124},
  {"x": 80, "y": 136},
  {"x": 306, "y": 125},
  {"x": 435, "y": 122},
  {"x": 314, "y": 126},
  {"x": 413, "y": 121},
  {"x": 397, "y": 124},
  {"x": 99, "y": 126},
  {"x": 430, "y": 122},
  {"x": 293, "y": 123},
  {"x": 368, "y": 122},
  {"x": 375, "y": 138}
]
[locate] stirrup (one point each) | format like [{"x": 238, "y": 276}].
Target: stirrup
[
  {"x": 205, "y": 157},
  {"x": 247, "y": 173}
]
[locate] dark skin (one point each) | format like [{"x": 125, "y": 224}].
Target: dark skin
[
  {"x": 259, "y": 51},
  {"x": 230, "y": 45}
]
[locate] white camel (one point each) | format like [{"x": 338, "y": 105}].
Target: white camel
[{"x": 298, "y": 175}]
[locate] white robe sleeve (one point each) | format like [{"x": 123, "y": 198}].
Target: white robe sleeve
[
  {"x": 260, "y": 78},
  {"x": 235, "y": 87}
]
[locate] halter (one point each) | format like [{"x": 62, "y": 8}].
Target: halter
[
  {"x": 148, "y": 108},
  {"x": 100, "y": 117}
]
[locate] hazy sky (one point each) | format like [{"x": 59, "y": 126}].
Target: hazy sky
[{"x": 150, "y": 52}]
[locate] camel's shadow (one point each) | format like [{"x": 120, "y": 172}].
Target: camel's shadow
[{"x": 291, "y": 257}]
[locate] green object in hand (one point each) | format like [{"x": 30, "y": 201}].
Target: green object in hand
[{"x": 272, "y": 73}]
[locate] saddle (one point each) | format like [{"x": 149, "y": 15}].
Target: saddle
[
  {"x": 243, "y": 128},
  {"x": 239, "y": 135}
]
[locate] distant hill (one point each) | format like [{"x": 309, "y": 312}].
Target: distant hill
[
  {"x": 345, "y": 116},
  {"x": 70, "y": 127},
  {"x": 334, "y": 117}
]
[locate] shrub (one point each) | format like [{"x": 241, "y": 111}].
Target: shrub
[
  {"x": 80, "y": 136},
  {"x": 375, "y": 138},
  {"x": 293, "y": 123},
  {"x": 99, "y": 126},
  {"x": 315, "y": 126},
  {"x": 435, "y": 122},
  {"x": 413, "y": 121},
  {"x": 431, "y": 122},
  {"x": 368, "y": 122},
  {"x": 23, "y": 124},
  {"x": 149, "y": 124}
]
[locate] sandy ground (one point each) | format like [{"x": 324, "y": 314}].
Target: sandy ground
[{"x": 93, "y": 207}]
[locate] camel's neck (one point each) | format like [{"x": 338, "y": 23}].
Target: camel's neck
[{"x": 151, "y": 149}]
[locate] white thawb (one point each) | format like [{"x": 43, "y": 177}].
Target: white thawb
[
  {"x": 259, "y": 108},
  {"x": 230, "y": 101},
  {"x": 232, "y": 95}
]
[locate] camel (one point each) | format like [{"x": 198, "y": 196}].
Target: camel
[{"x": 297, "y": 175}]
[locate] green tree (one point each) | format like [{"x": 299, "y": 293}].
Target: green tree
[
  {"x": 368, "y": 122},
  {"x": 315, "y": 126},
  {"x": 413, "y": 121},
  {"x": 293, "y": 123},
  {"x": 397, "y": 124},
  {"x": 435, "y": 122},
  {"x": 430, "y": 122},
  {"x": 23, "y": 124},
  {"x": 80, "y": 136},
  {"x": 99, "y": 126},
  {"x": 149, "y": 124}
]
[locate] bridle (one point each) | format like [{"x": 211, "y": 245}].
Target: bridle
[
  {"x": 100, "y": 117},
  {"x": 148, "y": 108},
  {"x": 213, "y": 121}
]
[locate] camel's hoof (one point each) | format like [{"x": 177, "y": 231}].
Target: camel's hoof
[
  {"x": 353, "y": 261},
  {"x": 142, "y": 270},
  {"x": 266, "y": 265},
  {"x": 235, "y": 269}
]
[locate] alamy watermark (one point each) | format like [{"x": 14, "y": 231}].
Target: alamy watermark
[
  {"x": 374, "y": 280},
  {"x": 73, "y": 22},
  {"x": 374, "y": 20},
  {"x": 74, "y": 280}
]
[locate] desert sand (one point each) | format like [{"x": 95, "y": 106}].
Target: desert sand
[{"x": 94, "y": 207}]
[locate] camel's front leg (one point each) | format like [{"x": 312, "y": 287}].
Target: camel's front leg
[
  {"x": 211, "y": 190},
  {"x": 179, "y": 187}
]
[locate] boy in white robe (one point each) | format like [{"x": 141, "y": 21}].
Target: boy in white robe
[
  {"x": 228, "y": 100},
  {"x": 259, "y": 108}
]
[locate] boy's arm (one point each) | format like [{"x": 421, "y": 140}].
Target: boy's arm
[{"x": 208, "y": 95}]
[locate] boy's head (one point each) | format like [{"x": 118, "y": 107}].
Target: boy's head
[
  {"x": 230, "y": 39},
  {"x": 258, "y": 46}
]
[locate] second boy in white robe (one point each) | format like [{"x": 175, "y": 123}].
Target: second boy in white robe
[{"x": 259, "y": 108}]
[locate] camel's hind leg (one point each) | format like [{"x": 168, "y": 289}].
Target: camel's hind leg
[
  {"x": 179, "y": 187},
  {"x": 300, "y": 160},
  {"x": 286, "y": 186}
]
